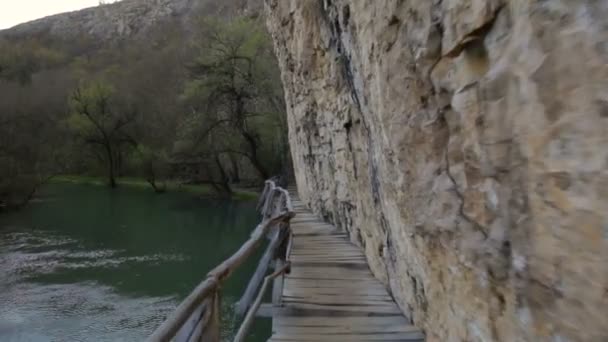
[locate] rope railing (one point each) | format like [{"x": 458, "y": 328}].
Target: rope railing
[{"x": 197, "y": 317}]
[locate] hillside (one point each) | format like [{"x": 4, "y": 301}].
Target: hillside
[{"x": 128, "y": 18}]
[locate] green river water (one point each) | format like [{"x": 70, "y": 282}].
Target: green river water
[{"x": 86, "y": 263}]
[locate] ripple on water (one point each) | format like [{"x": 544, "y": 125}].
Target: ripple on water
[
  {"x": 81, "y": 311},
  {"x": 37, "y": 252},
  {"x": 75, "y": 312}
]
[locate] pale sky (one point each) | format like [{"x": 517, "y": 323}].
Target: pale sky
[{"x": 14, "y": 12}]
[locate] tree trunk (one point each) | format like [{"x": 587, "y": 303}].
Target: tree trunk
[
  {"x": 236, "y": 177},
  {"x": 224, "y": 180},
  {"x": 157, "y": 189},
  {"x": 253, "y": 154},
  {"x": 119, "y": 162},
  {"x": 111, "y": 166},
  {"x": 112, "y": 178},
  {"x": 249, "y": 138}
]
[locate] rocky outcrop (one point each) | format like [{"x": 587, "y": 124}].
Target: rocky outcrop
[
  {"x": 464, "y": 145},
  {"x": 130, "y": 18}
]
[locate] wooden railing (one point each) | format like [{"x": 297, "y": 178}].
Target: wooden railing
[{"x": 197, "y": 318}]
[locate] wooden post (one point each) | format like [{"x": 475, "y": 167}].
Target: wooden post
[
  {"x": 263, "y": 197},
  {"x": 169, "y": 328},
  {"x": 211, "y": 331},
  {"x": 269, "y": 205},
  {"x": 192, "y": 329},
  {"x": 277, "y": 285}
]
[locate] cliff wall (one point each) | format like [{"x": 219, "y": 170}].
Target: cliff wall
[{"x": 464, "y": 145}]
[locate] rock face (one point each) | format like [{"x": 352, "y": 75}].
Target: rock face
[{"x": 464, "y": 145}]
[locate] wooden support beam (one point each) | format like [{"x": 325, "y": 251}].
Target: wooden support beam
[
  {"x": 169, "y": 328},
  {"x": 211, "y": 331},
  {"x": 277, "y": 285},
  {"x": 254, "y": 283},
  {"x": 242, "y": 333},
  {"x": 277, "y": 289},
  {"x": 191, "y": 330}
]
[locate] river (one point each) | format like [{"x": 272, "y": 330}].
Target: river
[{"x": 86, "y": 263}]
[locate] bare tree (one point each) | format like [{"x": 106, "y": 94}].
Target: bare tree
[
  {"x": 104, "y": 126},
  {"x": 230, "y": 75}
]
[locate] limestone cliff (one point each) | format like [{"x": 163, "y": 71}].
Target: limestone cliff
[{"x": 464, "y": 145}]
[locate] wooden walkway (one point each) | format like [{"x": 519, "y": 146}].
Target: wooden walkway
[
  {"x": 323, "y": 289},
  {"x": 330, "y": 294}
]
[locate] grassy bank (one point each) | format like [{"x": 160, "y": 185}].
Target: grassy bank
[{"x": 140, "y": 183}]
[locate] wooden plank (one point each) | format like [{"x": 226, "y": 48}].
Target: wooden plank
[
  {"x": 328, "y": 276},
  {"x": 328, "y": 263},
  {"x": 309, "y": 232},
  {"x": 311, "y": 282},
  {"x": 329, "y": 239},
  {"x": 350, "y": 329},
  {"x": 329, "y": 248},
  {"x": 340, "y": 321},
  {"x": 319, "y": 232},
  {"x": 301, "y": 291},
  {"x": 324, "y": 257},
  {"x": 293, "y": 311},
  {"x": 319, "y": 241},
  {"x": 324, "y": 242},
  {"x": 324, "y": 246},
  {"x": 303, "y": 252},
  {"x": 336, "y": 299},
  {"x": 336, "y": 250},
  {"x": 312, "y": 288},
  {"x": 302, "y": 246},
  {"x": 332, "y": 270},
  {"x": 320, "y": 291},
  {"x": 354, "y": 262},
  {"x": 312, "y": 336},
  {"x": 328, "y": 257},
  {"x": 334, "y": 273},
  {"x": 344, "y": 260},
  {"x": 360, "y": 309}
]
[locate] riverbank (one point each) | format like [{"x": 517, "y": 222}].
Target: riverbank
[{"x": 140, "y": 183}]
